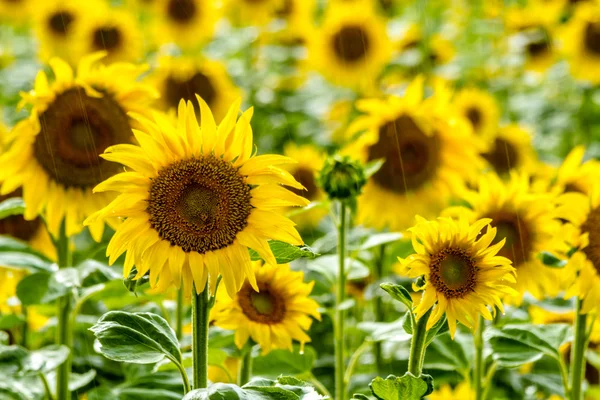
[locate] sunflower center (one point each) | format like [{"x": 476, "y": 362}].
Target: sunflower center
[
  {"x": 306, "y": 177},
  {"x": 74, "y": 129},
  {"x": 107, "y": 38},
  {"x": 265, "y": 307},
  {"x": 592, "y": 227},
  {"x": 592, "y": 37},
  {"x": 518, "y": 237},
  {"x": 351, "y": 43},
  {"x": 60, "y": 22},
  {"x": 573, "y": 187},
  {"x": 503, "y": 157},
  {"x": 199, "y": 83},
  {"x": 474, "y": 115},
  {"x": 411, "y": 156},
  {"x": 182, "y": 11},
  {"x": 199, "y": 204},
  {"x": 453, "y": 273},
  {"x": 15, "y": 225},
  {"x": 538, "y": 42}
]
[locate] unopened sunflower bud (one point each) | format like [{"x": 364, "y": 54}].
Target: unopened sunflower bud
[{"x": 342, "y": 178}]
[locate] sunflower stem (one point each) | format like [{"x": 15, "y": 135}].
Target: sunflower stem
[
  {"x": 578, "y": 353},
  {"x": 245, "y": 369},
  {"x": 179, "y": 315},
  {"x": 478, "y": 369},
  {"x": 417, "y": 345},
  {"x": 64, "y": 330},
  {"x": 340, "y": 391},
  {"x": 378, "y": 308},
  {"x": 200, "y": 312}
]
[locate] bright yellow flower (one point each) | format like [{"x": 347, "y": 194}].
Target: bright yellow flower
[
  {"x": 462, "y": 391},
  {"x": 511, "y": 150},
  {"x": 226, "y": 373},
  {"x": 575, "y": 176},
  {"x": 274, "y": 313},
  {"x": 582, "y": 42},
  {"x": 252, "y": 12},
  {"x": 54, "y": 153},
  {"x": 195, "y": 199},
  {"x": 481, "y": 110},
  {"x": 16, "y": 11},
  {"x": 462, "y": 272},
  {"x": 187, "y": 23}
]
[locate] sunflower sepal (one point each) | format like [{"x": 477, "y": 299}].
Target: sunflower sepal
[{"x": 399, "y": 293}]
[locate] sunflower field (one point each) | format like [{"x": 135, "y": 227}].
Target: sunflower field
[{"x": 299, "y": 199}]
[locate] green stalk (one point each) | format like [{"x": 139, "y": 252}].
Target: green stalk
[
  {"x": 417, "y": 345},
  {"x": 578, "y": 353},
  {"x": 64, "y": 328},
  {"x": 179, "y": 315},
  {"x": 340, "y": 390},
  {"x": 47, "y": 390},
  {"x": 378, "y": 308},
  {"x": 488, "y": 380},
  {"x": 478, "y": 369},
  {"x": 200, "y": 312},
  {"x": 245, "y": 369},
  {"x": 25, "y": 331}
]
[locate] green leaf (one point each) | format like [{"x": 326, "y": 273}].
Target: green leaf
[
  {"x": 8, "y": 321},
  {"x": 446, "y": 354},
  {"x": 285, "y": 252},
  {"x": 141, "y": 338},
  {"x": 77, "y": 381},
  {"x": 358, "y": 396},
  {"x": 284, "y": 388},
  {"x": 12, "y": 206},
  {"x": 408, "y": 387},
  {"x": 216, "y": 357},
  {"x": 44, "y": 360},
  {"x": 550, "y": 260},
  {"x": 133, "y": 284},
  {"x": 279, "y": 362},
  {"x": 45, "y": 287},
  {"x": 4, "y": 338},
  {"x": 378, "y": 239},
  {"x": 18, "y": 254},
  {"x": 439, "y": 328},
  {"x": 399, "y": 293}
]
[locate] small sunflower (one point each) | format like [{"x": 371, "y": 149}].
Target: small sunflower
[
  {"x": 195, "y": 199},
  {"x": 187, "y": 23},
  {"x": 112, "y": 30},
  {"x": 185, "y": 77},
  {"x": 526, "y": 222},
  {"x": 298, "y": 16},
  {"x": 574, "y": 175},
  {"x": 310, "y": 162},
  {"x": 462, "y": 272},
  {"x": 274, "y": 312},
  {"x": 53, "y": 155},
  {"x": 429, "y": 153},
  {"x": 351, "y": 47},
  {"x": 582, "y": 42},
  {"x": 511, "y": 150},
  {"x": 462, "y": 391},
  {"x": 481, "y": 110}
]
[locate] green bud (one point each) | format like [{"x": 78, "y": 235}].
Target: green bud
[{"x": 342, "y": 178}]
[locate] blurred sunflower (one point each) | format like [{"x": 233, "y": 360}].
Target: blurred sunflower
[
  {"x": 188, "y": 23},
  {"x": 511, "y": 150},
  {"x": 252, "y": 12},
  {"x": 481, "y": 110},
  {"x": 544, "y": 316},
  {"x": 112, "y": 30},
  {"x": 582, "y": 42},
  {"x": 526, "y": 222},
  {"x": 298, "y": 16},
  {"x": 195, "y": 199},
  {"x": 226, "y": 373},
  {"x": 179, "y": 78},
  {"x": 54, "y": 155},
  {"x": 462, "y": 272},
  {"x": 438, "y": 50},
  {"x": 429, "y": 152},
  {"x": 16, "y": 11},
  {"x": 310, "y": 162},
  {"x": 462, "y": 391},
  {"x": 575, "y": 176},
  {"x": 351, "y": 47},
  {"x": 274, "y": 312}
]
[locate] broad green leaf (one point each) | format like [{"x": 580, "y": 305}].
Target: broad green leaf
[
  {"x": 399, "y": 293},
  {"x": 407, "y": 387},
  {"x": 45, "y": 287},
  {"x": 11, "y": 358},
  {"x": 12, "y": 206},
  {"x": 388, "y": 331},
  {"x": 358, "y": 396},
  {"x": 378, "y": 239},
  {"x": 550, "y": 260},
  {"x": 285, "y": 252},
  {"x": 446, "y": 354},
  {"x": 92, "y": 272},
  {"x": 216, "y": 357},
  {"x": 141, "y": 338},
  {"x": 8, "y": 321},
  {"x": 44, "y": 360},
  {"x": 77, "y": 381},
  {"x": 279, "y": 362},
  {"x": 284, "y": 388},
  {"x": 18, "y": 254}
]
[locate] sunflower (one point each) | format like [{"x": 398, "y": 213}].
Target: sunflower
[
  {"x": 463, "y": 275},
  {"x": 526, "y": 222},
  {"x": 582, "y": 42},
  {"x": 511, "y": 151},
  {"x": 195, "y": 199},
  {"x": 575, "y": 176},
  {"x": 481, "y": 110},
  {"x": 310, "y": 162},
  {"x": 429, "y": 152},
  {"x": 184, "y": 77},
  {"x": 440, "y": 50},
  {"x": 54, "y": 153},
  {"x": 274, "y": 312},
  {"x": 226, "y": 373},
  {"x": 15, "y": 11},
  {"x": 112, "y": 30},
  {"x": 351, "y": 47},
  {"x": 187, "y": 23},
  {"x": 543, "y": 316},
  {"x": 462, "y": 391},
  {"x": 252, "y": 12},
  {"x": 298, "y": 16}
]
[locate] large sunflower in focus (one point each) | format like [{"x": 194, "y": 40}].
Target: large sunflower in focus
[
  {"x": 582, "y": 42},
  {"x": 526, "y": 222},
  {"x": 112, "y": 30},
  {"x": 54, "y": 154},
  {"x": 187, "y": 23},
  {"x": 195, "y": 199},
  {"x": 511, "y": 150},
  {"x": 185, "y": 77},
  {"x": 463, "y": 275},
  {"x": 481, "y": 110},
  {"x": 428, "y": 152},
  {"x": 351, "y": 47},
  {"x": 273, "y": 315}
]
